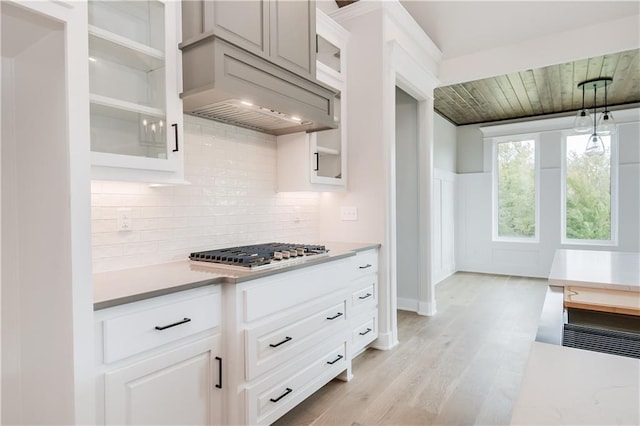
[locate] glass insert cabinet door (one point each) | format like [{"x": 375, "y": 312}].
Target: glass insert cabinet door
[{"x": 131, "y": 114}]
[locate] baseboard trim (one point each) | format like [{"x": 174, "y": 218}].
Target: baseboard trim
[
  {"x": 384, "y": 342},
  {"x": 427, "y": 308},
  {"x": 406, "y": 304},
  {"x": 413, "y": 305}
]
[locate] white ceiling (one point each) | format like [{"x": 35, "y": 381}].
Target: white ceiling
[{"x": 464, "y": 27}]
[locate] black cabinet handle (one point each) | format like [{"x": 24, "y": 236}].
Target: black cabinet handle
[
  {"x": 219, "y": 385},
  {"x": 365, "y": 296},
  {"x": 286, "y": 339},
  {"x": 366, "y": 332},
  {"x": 365, "y": 266},
  {"x": 335, "y": 360},
  {"x": 317, "y": 162},
  {"x": 286, "y": 392},
  {"x": 164, "y": 327},
  {"x": 175, "y": 129},
  {"x": 339, "y": 314}
]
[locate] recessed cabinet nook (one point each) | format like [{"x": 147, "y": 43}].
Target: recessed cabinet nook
[
  {"x": 317, "y": 161},
  {"x": 134, "y": 73}
]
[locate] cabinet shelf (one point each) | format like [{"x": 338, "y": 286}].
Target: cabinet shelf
[
  {"x": 327, "y": 151},
  {"x": 113, "y": 105},
  {"x": 121, "y": 50}
]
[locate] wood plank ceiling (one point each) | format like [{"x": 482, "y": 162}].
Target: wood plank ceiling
[{"x": 541, "y": 91}]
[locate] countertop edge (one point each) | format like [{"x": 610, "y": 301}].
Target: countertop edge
[
  {"x": 339, "y": 254},
  {"x": 154, "y": 293}
]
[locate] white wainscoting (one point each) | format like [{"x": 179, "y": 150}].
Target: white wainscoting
[{"x": 444, "y": 217}]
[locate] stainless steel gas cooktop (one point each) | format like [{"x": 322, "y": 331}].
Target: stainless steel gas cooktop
[{"x": 258, "y": 255}]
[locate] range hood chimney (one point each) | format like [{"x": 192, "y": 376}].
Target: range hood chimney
[{"x": 225, "y": 83}]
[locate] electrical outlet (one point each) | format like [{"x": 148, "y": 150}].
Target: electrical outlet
[
  {"x": 125, "y": 222},
  {"x": 349, "y": 213}
]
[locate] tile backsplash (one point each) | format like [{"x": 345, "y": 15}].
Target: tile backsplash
[{"x": 232, "y": 200}]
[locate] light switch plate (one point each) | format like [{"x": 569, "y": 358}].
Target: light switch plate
[{"x": 348, "y": 213}]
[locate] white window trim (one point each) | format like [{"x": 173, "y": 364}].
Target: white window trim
[
  {"x": 494, "y": 190},
  {"x": 614, "y": 167}
]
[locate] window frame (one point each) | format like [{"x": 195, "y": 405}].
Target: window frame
[
  {"x": 495, "y": 141},
  {"x": 614, "y": 188}
]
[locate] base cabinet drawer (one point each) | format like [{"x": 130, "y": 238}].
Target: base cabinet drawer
[
  {"x": 176, "y": 387},
  {"x": 365, "y": 297},
  {"x": 273, "y": 397},
  {"x": 139, "y": 330},
  {"x": 365, "y": 332},
  {"x": 267, "y": 348},
  {"x": 364, "y": 263}
]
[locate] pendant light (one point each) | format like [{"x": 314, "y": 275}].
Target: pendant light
[
  {"x": 595, "y": 146},
  {"x": 583, "y": 119},
  {"x": 606, "y": 123},
  {"x": 604, "y": 126}
]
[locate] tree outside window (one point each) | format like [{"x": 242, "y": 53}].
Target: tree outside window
[
  {"x": 516, "y": 189},
  {"x": 587, "y": 191}
]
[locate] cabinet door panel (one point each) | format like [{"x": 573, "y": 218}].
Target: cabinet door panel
[
  {"x": 293, "y": 29},
  {"x": 176, "y": 387},
  {"x": 136, "y": 112},
  {"x": 243, "y": 23}
]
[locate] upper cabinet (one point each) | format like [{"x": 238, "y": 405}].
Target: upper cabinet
[
  {"x": 134, "y": 70},
  {"x": 317, "y": 161},
  {"x": 282, "y": 31}
]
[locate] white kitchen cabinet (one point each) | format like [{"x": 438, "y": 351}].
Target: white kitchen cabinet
[
  {"x": 175, "y": 387},
  {"x": 317, "y": 161},
  {"x": 287, "y": 336},
  {"x": 160, "y": 360},
  {"x": 134, "y": 70},
  {"x": 363, "y": 306}
]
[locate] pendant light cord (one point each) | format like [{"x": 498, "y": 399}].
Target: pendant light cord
[
  {"x": 595, "y": 112},
  {"x": 606, "y": 110}
]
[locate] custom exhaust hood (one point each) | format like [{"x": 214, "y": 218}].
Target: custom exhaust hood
[{"x": 225, "y": 83}]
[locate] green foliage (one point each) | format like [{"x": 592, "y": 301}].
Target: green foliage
[
  {"x": 588, "y": 194},
  {"x": 588, "y": 190},
  {"x": 516, "y": 189}
]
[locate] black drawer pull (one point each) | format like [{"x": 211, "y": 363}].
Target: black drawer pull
[
  {"x": 365, "y": 296},
  {"x": 286, "y": 339},
  {"x": 164, "y": 327},
  {"x": 366, "y": 332},
  {"x": 365, "y": 266},
  {"x": 219, "y": 385},
  {"x": 335, "y": 360},
  {"x": 339, "y": 314},
  {"x": 286, "y": 392}
]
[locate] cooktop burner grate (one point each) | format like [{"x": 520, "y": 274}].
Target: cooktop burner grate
[{"x": 258, "y": 254}]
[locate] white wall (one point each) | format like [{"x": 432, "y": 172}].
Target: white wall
[
  {"x": 444, "y": 195},
  {"x": 231, "y": 201},
  {"x": 475, "y": 250},
  {"x": 407, "y": 201}
]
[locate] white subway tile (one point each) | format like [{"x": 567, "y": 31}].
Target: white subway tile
[{"x": 231, "y": 201}]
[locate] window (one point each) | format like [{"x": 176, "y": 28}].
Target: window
[
  {"x": 589, "y": 189},
  {"x": 515, "y": 189}
]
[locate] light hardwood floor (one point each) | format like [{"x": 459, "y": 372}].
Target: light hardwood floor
[{"x": 462, "y": 366}]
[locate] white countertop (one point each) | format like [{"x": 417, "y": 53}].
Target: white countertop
[
  {"x": 567, "y": 386},
  {"x": 125, "y": 286},
  {"x": 591, "y": 268}
]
